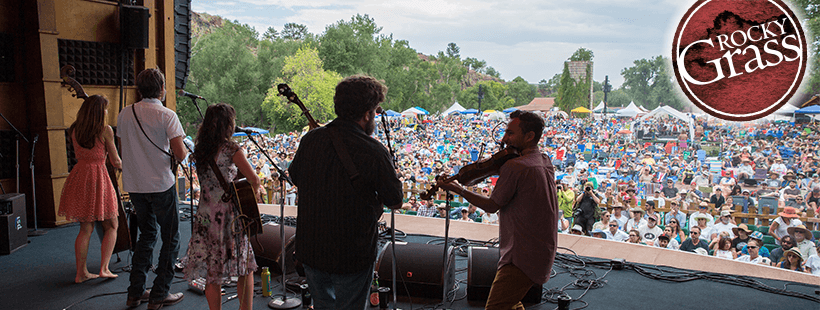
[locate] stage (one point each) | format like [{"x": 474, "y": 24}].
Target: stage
[{"x": 40, "y": 275}]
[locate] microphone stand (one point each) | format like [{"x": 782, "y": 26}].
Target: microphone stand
[
  {"x": 286, "y": 302},
  {"x": 392, "y": 213},
  {"x": 34, "y": 232}
]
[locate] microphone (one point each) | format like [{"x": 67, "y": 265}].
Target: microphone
[
  {"x": 379, "y": 110},
  {"x": 243, "y": 130},
  {"x": 184, "y": 93}
]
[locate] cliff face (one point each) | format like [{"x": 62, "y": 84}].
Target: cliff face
[{"x": 203, "y": 23}]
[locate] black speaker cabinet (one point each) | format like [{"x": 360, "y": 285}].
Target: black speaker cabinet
[
  {"x": 267, "y": 247},
  {"x": 134, "y": 31},
  {"x": 420, "y": 267},
  {"x": 482, "y": 263},
  {"x": 13, "y": 226}
]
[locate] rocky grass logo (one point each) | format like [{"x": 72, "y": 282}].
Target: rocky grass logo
[{"x": 739, "y": 59}]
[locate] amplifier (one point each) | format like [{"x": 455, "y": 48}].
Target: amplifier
[
  {"x": 419, "y": 267},
  {"x": 13, "y": 225},
  {"x": 482, "y": 263}
]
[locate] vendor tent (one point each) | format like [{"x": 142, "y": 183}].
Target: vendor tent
[
  {"x": 256, "y": 131},
  {"x": 469, "y": 111},
  {"x": 667, "y": 110},
  {"x": 455, "y": 108},
  {"x": 423, "y": 111},
  {"x": 391, "y": 113},
  {"x": 414, "y": 111},
  {"x": 581, "y": 110},
  {"x": 631, "y": 110},
  {"x": 815, "y": 109},
  {"x": 510, "y": 110}
]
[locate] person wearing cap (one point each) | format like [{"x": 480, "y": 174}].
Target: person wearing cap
[
  {"x": 774, "y": 180},
  {"x": 724, "y": 224},
  {"x": 694, "y": 241},
  {"x": 717, "y": 197},
  {"x": 754, "y": 254},
  {"x": 650, "y": 231},
  {"x": 598, "y": 233},
  {"x": 786, "y": 243},
  {"x": 577, "y": 230},
  {"x": 669, "y": 190},
  {"x": 756, "y": 235},
  {"x": 813, "y": 182},
  {"x": 780, "y": 225},
  {"x": 636, "y": 220},
  {"x": 778, "y": 167},
  {"x": 614, "y": 232},
  {"x": 664, "y": 241},
  {"x": 802, "y": 240},
  {"x": 660, "y": 202},
  {"x": 629, "y": 198},
  {"x": 566, "y": 198},
  {"x": 702, "y": 179},
  {"x": 793, "y": 260},
  {"x": 741, "y": 238},
  {"x": 525, "y": 193},
  {"x": 702, "y": 211},
  {"x": 586, "y": 203},
  {"x": 764, "y": 191}
]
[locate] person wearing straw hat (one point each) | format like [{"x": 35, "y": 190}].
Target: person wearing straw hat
[
  {"x": 802, "y": 240},
  {"x": 702, "y": 210},
  {"x": 793, "y": 261},
  {"x": 724, "y": 224},
  {"x": 780, "y": 225},
  {"x": 636, "y": 220},
  {"x": 741, "y": 233}
]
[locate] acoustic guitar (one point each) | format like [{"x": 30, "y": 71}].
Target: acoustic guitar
[
  {"x": 123, "y": 233},
  {"x": 247, "y": 207}
]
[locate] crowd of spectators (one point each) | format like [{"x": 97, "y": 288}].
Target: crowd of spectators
[{"x": 654, "y": 182}]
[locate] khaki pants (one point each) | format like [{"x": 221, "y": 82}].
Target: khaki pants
[{"x": 509, "y": 287}]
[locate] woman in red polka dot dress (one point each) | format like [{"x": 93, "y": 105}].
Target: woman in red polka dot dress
[{"x": 88, "y": 195}]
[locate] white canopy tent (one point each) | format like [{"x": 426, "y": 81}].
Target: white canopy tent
[
  {"x": 455, "y": 108},
  {"x": 414, "y": 111},
  {"x": 631, "y": 110},
  {"x": 666, "y": 110}
]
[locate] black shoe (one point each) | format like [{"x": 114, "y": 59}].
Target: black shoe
[
  {"x": 171, "y": 299},
  {"x": 132, "y": 302}
]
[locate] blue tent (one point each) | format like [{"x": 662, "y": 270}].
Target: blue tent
[
  {"x": 469, "y": 111},
  {"x": 257, "y": 131},
  {"x": 815, "y": 109},
  {"x": 423, "y": 110},
  {"x": 509, "y": 110},
  {"x": 391, "y": 113}
]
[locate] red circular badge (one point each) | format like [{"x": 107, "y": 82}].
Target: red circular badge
[{"x": 739, "y": 60}]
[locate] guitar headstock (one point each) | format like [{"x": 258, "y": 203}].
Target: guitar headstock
[{"x": 65, "y": 74}]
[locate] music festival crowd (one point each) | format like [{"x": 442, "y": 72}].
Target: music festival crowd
[{"x": 662, "y": 182}]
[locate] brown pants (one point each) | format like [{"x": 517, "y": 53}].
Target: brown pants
[{"x": 509, "y": 287}]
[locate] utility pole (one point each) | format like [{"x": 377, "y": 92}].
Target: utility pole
[{"x": 607, "y": 89}]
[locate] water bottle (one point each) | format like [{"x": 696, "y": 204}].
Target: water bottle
[{"x": 266, "y": 291}]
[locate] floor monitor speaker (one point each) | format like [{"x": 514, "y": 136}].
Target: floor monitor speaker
[
  {"x": 419, "y": 267},
  {"x": 267, "y": 247},
  {"x": 482, "y": 263},
  {"x": 13, "y": 225}
]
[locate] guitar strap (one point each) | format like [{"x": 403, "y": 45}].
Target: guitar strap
[
  {"x": 343, "y": 155},
  {"x": 173, "y": 160},
  {"x": 228, "y": 195}
]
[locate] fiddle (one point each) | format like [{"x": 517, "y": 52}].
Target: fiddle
[{"x": 474, "y": 173}]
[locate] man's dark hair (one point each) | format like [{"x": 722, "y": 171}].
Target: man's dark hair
[
  {"x": 355, "y": 95},
  {"x": 150, "y": 83},
  {"x": 529, "y": 121}
]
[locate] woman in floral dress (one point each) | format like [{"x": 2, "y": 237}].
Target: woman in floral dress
[{"x": 217, "y": 249}]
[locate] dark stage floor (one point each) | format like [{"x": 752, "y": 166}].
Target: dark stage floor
[{"x": 41, "y": 274}]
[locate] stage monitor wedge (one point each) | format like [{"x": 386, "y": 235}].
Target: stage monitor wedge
[{"x": 419, "y": 267}]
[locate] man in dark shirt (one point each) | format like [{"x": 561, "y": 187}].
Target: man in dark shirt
[
  {"x": 339, "y": 207},
  {"x": 694, "y": 241}
]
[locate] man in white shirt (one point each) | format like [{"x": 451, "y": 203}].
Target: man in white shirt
[
  {"x": 802, "y": 240},
  {"x": 618, "y": 214},
  {"x": 613, "y": 233},
  {"x": 656, "y": 197},
  {"x": 650, "y": 231},
  {"x": 149, "y": 134},
  {"x": 724, "y": 224},
  {"x": 778, "y": 167},
  {"x": 753, "y": 256}
]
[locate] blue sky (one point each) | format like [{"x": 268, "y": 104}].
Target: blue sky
[{"x": 525, "y": 38}]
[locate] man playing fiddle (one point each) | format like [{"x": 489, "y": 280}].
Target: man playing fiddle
[{"x": 528, "y": 232}]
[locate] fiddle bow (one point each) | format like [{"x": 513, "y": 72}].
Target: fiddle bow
[
  {"x": 285, "y": 90},
  {"x": 474, "y": 173}
]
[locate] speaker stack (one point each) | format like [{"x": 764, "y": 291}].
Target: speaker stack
[
  {"x": 13, "y": 226},
  {"x": 134, "y": 26},
  {"x": 482, "y": 263},
  {"x": 419, "y": 267},
  {"x": 267, "y": 247}
]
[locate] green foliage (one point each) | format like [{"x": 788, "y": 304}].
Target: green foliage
[
  {"x": 582, "y": 54},
  {"x": 294, "y": 31},
  {"x": 572, "y": 93},
  {"x": 520, "y": 91},
  {"x": 355, "y": 47},
  {"x": 491, "y": 72},
  {"x": 811, "y": 11},
  {"x": 304, "y": 74},
  {"x": 270, "y": 34},
  {"x": 494, "y": 96},
  {"x": 650, "y": 84},
  {"x": 475, "y": 64},
  {"x": 453, "y": 51}
]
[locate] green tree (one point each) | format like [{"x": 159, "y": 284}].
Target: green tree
[
  {"x": 453, "y": 51},
  {"x": 494, "y": 96},
  {"x": 572, "y": 93},
  {"x": 491, "y": 72},
  {"x": 811, "y": 10},
  {"x": 582, "y": 54},
  {"x": 649, "y": 83},
  {"x": 520, "y": 91},
  {"x": 311, "y": 83},
  {"x": 352, "y": 47},
  {"x": 270, "y": 34},
  {"x": 294, "y": 31}
]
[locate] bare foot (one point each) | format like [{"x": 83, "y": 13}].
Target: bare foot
[
  {"x": 108, "y": 274},
  {"x": 85, "y": 277}
]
